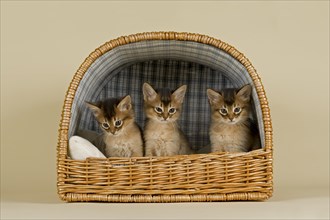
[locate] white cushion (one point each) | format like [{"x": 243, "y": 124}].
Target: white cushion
[{"x": 80, "y": 149}]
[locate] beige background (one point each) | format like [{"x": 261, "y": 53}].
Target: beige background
[{"x": 43, "y": 44}]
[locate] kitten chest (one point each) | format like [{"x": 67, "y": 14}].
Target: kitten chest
[
  {"x": 118, "y": 146},
  {"x": 162, "y": 132},
  {"x": 230, "y": 135},
  {"x": 164, "y": 139}
]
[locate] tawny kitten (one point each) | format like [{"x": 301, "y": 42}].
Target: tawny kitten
[
  {"x": 122, "y": 136},
  {"x": 232, "y": 129},
  {"x": 162, "y": 134}
]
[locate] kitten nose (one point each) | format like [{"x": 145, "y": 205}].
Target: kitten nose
[{"x": 112, "y": 131}]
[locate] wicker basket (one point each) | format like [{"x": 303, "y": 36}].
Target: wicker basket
[{"x": 119, "y": 67}]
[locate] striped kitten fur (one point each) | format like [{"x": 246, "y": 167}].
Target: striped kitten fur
[
  {"x": 121, "y": 135},
  {"x": 232, "y": 129},
  {"x": 162, "y": 134}
]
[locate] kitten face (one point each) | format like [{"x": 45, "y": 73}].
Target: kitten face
[
  {"x": 113, "y": 115},
  {"x": 230, "y": 106},
  {"x": 163, "y": 105}
]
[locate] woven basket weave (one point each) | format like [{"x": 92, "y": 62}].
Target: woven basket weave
[{"x": 182, "y": 178}]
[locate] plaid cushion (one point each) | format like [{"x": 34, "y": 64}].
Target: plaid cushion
[{"x": 123, "y": 71}]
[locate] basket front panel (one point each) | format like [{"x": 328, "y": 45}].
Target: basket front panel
[{"x": 194, "y": 174}]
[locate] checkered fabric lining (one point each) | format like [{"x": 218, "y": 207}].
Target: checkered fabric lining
[{"x": 123, "y": 71}]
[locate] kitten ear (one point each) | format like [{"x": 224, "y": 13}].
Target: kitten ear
[
  {"x": 125, "y": 104},
  {"x": 149, "y": 93},
  {"x": 95, "y": 109},
  {"x": 244, "y": 93},
  {"x": 214, "y": 97},
  {"x": 179, "y": 93}
]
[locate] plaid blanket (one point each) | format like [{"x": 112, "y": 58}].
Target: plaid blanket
[{"x": 124, "y": 69}]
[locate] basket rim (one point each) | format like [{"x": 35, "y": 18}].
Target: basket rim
[{"x": 149, "y": 36}]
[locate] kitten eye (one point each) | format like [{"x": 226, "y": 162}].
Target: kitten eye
[
  {"x": 172, "y": 110},
  {"x": 105, "y": 125},
  {"x": 118, "y": 123},
  {"x": 223, "y": 111},
  {"x": 237, "y": 110},
  {"x": 158, "y": 110}
]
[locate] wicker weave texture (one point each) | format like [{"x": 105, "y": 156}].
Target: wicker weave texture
[{"x": 202, "y": 177}]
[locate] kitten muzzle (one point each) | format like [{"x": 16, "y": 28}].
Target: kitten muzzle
[
  {"x": 231, "y": 120},
  {"x": 166, "y": 116},
  {"x": 113, "y": 131}
]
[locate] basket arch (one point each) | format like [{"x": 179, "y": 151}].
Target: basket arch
[{"x": 191, "y": 46}]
